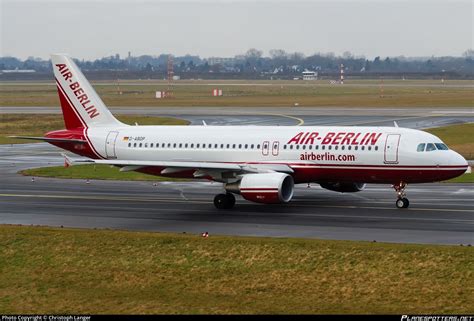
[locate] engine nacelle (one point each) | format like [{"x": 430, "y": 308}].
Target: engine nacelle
[
  {"x": 343, "y": 187},
  {"x": 268, "y": 188}
]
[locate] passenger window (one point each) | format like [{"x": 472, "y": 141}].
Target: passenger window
[
  {"x": 258, "y": 146},
  {"x": 228, "y": 146},
  {"x": 174, "y": 145},
  {"x": 336, "y": 147},
  {"x": 129, "y": 144},
  {"x": 304, "y": 146},
  {"x": 349, "y": 147},
  {"x": 421, "y": 147},
  {"x": 215, "y": 145},
  {"x": 251, "y": 146},
  {"x": 316, "y": 147},
  {"x": 342, "y": 147},
  {"x": 163, "y": 145},
  {"x": 329, "y": 147},
  {"x": 246, "y": 146},
  {"x": 151, "y": 145},
  {"x": 291, "y": 146},
  {"x": 140, "y": 145},
  {"x": 180, "y": 145},
  {"x": 430, "y": 147},
  {"x": 222, "y": 146},
  {"x": 441, "y": 146},
  {"x": 297, "y": 146},
  {"x": 323, "y": 147},
  {"x": 192, "y": 145},
  {"x": 362, "y": 148},
  {"x": 356, "y": 147},
  {"x": 186, "y": 145},
  {"x": 233, "y": 146},
  {"x": 376, "y": 148}
]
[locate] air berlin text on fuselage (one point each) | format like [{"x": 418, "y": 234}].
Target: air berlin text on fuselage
[
  {"x": 78, "y": 91},
  {"x": 340, "y": 138}
]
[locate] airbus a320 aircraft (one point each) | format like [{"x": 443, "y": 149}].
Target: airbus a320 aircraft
[{"x": 261, "y": 163}]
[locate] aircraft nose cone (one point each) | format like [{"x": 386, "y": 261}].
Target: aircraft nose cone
[{"x": 458, "y": 160}]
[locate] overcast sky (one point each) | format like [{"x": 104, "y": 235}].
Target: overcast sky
[{"x": 92, "y": 29}]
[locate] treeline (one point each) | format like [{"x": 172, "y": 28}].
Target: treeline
[{"x": 253, "y": 64}]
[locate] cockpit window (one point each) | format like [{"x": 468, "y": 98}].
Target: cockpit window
[
  {"x": 421, "y": 147},
  {"x": 441, "y": 146},
  {"x": 430, "y": 147}
]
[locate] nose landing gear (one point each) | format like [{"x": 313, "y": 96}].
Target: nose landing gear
[{"x": 402, "y": 201}]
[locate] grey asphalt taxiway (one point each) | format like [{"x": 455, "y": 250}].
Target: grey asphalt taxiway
[{"x": 439, "y": 213}]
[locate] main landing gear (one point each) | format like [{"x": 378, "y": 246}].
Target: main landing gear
[
  {"x": 224, "y": 201},
  {"x": 402, "y": 201}
]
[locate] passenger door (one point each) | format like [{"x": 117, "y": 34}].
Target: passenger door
[{"x": 391, "y": 148}]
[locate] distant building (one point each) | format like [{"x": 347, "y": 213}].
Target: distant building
[
  {"x": 220, "y": 61},
  {"x": 310, "y": 75},
  {"x": 16, "y": 70}
]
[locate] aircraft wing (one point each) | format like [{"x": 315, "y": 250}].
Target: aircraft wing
[
  {"x": 170, "y": 164},
  {"x": 178, "y": 166}
]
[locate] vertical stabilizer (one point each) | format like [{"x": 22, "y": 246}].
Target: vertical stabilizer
[{"x": 81, "y": 106}]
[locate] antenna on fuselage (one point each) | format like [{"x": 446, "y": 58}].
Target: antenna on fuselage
[
  {"x": 395, "y": 123},
  {"x": 204, "y": 123}
]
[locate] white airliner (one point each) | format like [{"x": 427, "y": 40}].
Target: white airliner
[{"x": 261, "y": 163}]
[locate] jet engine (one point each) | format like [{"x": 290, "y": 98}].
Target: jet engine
[
  {"x": 343, "y": 187},
  {"x": 268, "y": 188}
]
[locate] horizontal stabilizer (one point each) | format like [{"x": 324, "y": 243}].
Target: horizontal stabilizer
[{"x": 52, "y": 140}]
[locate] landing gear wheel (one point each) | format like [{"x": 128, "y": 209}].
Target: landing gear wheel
[
  {"x": 224, "y": 201},
  {"x": 230, "y": 199},
  {"x": 406, "y": 203},
  {"x": 402, "y": 202}
]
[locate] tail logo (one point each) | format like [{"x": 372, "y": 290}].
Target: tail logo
[{"x": 78, "y": 91}]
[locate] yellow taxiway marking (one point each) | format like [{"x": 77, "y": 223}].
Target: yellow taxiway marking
[{"x": 300, "y": 120}]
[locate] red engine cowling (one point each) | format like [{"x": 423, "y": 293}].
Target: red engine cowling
[
  {"x": 343, "y": 187},
  {"x": 268, "y": 188}
]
